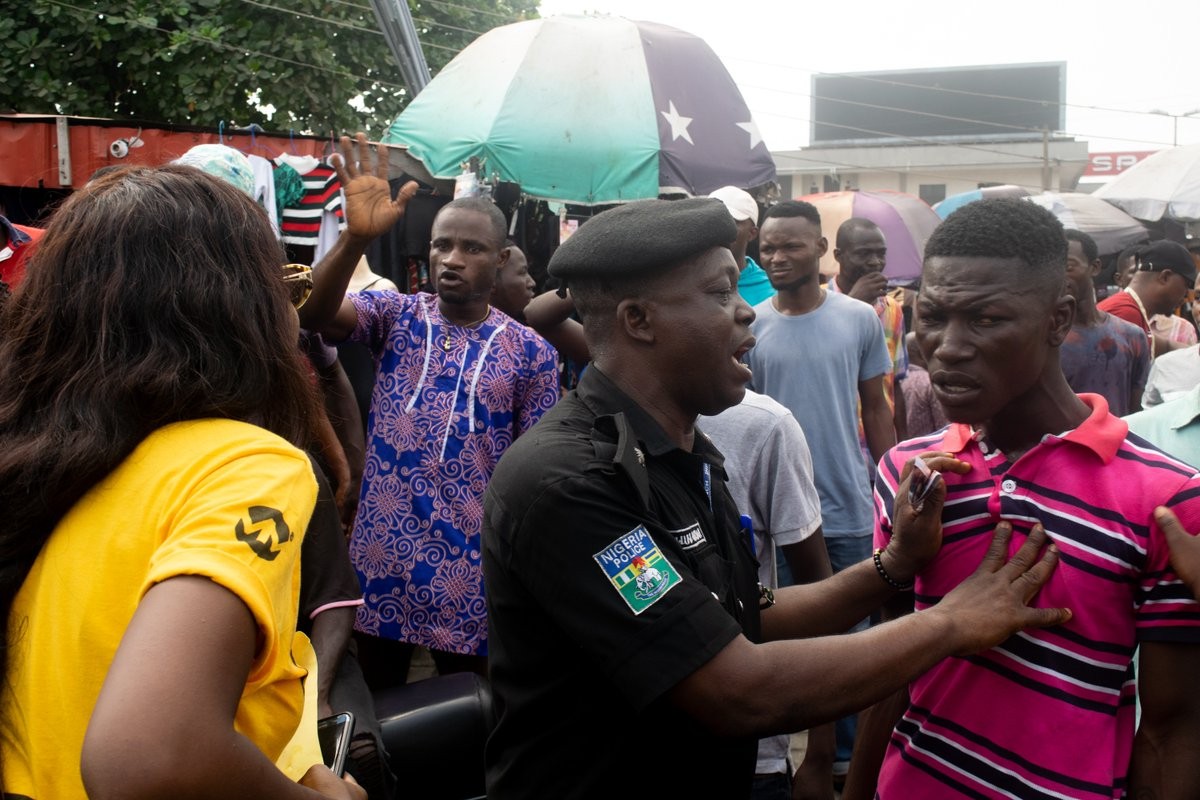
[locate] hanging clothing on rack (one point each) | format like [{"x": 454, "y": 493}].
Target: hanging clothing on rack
[
  {"x": 300, "y": 221},
  {"x": 332, "y": 222},
  {"x": 264, "y": 188},
  {"x": 289, "y": 188},
  {"x": 327, "y": 236}
]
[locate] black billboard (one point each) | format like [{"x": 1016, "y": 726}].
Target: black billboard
[{"x": 1005, "y": 100}]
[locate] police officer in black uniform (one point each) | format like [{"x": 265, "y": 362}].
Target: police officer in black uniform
[{"x": 624, "y": 611}]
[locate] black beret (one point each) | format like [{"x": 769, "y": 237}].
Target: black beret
[
  {"x": 643, "y": 237},
  {"x": 1165, "y": 254}
]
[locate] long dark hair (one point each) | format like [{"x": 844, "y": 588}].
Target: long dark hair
[{"x": 155, "y": 296}]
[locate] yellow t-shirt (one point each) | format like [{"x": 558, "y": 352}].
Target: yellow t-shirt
[{"x": 215, "y": 498}]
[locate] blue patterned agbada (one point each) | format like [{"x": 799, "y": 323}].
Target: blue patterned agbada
[{"x": 448, "y": 401}]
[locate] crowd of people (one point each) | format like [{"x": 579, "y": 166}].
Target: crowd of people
[{"x": 783, "y": 537}]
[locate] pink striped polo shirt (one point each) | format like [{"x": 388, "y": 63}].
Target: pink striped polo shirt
[{"x": 1048, "y": 713}]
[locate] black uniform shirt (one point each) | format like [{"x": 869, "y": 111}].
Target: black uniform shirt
[{"x": 615, "y": 567}]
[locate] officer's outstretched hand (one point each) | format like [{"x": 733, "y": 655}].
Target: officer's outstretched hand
[
  {"x": 917, "y": 532},
  {"x": 370, "y": 209},
  {"x": 1185, "y": 548},
  {"x": 993, "y": 603}
]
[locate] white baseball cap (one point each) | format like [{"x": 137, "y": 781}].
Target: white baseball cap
[{"x": 739, "y": 203}]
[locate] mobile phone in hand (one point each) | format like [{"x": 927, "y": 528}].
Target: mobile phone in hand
[
  {"x": 922, "y": 481},
  {"x": 334, "y": 734}
]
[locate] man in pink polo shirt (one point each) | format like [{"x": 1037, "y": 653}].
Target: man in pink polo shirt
[{"x": 1048, "y": 713}]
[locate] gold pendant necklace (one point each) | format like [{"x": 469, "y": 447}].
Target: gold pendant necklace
[{"x": 446, "y": 340}]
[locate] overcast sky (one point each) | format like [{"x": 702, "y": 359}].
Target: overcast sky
[{"x": 1131, "y": 57}]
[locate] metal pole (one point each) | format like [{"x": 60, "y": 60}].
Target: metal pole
[
  {"x": 62, "y": 129},
  {"x": 1045, "y": 159},
  {"x": 396, "y": 24}
]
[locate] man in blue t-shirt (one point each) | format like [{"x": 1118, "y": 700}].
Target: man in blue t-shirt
[{"x": 821, "y": 354}]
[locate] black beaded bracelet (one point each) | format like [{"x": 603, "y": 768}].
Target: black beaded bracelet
[{"x": 883, "y": 573}]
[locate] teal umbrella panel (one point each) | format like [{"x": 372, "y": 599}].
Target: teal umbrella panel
[{"x": 589, "y": 110}]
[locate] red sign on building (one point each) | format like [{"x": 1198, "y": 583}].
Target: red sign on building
[{"x": 1105, "y": 165}]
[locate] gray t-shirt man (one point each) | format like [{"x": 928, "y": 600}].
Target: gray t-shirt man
[{"x": 770, "y": 474}]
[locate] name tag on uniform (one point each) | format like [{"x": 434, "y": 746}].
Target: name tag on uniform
[
  {"x": 691, "y": 537},
  {"x": 637, "y": 569}
]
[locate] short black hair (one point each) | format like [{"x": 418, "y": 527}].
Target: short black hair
[
  {"x": 852, "y": 224},
  {"x": 1090, "y": 251},
  {"x": 597, "y": 297},
  {"x": 1009, "y": 228},
  {"x": 489, "y": 210},
  {"x": 794, "y": 208}
]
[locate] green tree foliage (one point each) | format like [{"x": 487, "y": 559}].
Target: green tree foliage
[{"x": 321, "y": 65}]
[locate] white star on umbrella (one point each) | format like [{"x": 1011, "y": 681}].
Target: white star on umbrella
[
  {"x": 679, "y": 124},
  {"x": 752, "y": 129}
]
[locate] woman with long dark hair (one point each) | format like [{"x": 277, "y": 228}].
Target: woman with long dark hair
[{"x": 152, "y": 403}]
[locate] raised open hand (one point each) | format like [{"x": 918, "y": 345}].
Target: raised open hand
[
  {"x": 370, "y": 209},
  {"x": 993, "y": 603}
]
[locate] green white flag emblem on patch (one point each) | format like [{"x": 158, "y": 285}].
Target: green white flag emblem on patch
[{"x": 639, "y": 572}]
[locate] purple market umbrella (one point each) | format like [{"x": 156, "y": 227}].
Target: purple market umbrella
[{"x": 906, "y": 222}]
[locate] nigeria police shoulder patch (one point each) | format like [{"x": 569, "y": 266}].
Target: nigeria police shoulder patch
[{"x": 638, "y": 570}]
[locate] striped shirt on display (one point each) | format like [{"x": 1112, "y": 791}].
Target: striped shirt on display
[{"x": 301, "y": 222}]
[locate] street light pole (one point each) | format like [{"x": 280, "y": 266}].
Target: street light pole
[{"x": 1175, "y": 121}]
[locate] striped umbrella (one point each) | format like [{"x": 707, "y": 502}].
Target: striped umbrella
[
  {"x": 906, "y": 222},
  {"x": 588, "y": 110}
]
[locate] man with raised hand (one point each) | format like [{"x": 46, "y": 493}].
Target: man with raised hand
[{"x": 457, "y": 381}]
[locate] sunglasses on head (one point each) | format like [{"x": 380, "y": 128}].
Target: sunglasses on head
[{"x": 299, "y": 280}]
